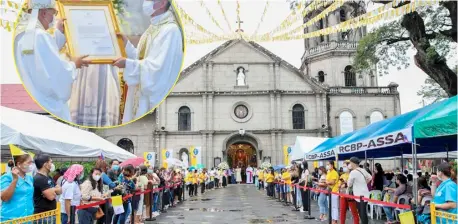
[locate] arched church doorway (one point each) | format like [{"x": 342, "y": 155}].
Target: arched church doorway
[{"x": 242, "y": 155}]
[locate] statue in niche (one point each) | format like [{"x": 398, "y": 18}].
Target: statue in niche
[
  {"x": 185, "y": 158},
  {"x": 241, "y": 77}
]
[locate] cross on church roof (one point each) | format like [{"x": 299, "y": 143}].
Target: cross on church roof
[{"x": 239, "y": 25}]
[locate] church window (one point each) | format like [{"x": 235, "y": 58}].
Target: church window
[
  {"x": 321, "y": 27},
  {"x": 241, "y": 111},
  {"x": 376, "y": 116},
  {"x": 343, "y": 15},
  {"x": 298, "y": 117},
  {"x": 321, "y": 76},
  {"x": 350, "y": 77},
  {"x": 126, "y": 144},
  {"x": 184, "y": 119},
  {"x": 346, "y": 122}
]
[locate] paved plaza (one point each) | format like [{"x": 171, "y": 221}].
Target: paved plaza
[{"x": 237, "y": 204}]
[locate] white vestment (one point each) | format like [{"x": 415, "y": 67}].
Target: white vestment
[
  {"x": 96, "y": 96},
  {"x": 249, "y": 175},
  {"x": 238, "y": 175},
  {"x": 157, "y": 72},
  {"x": 46, "y": 76}
]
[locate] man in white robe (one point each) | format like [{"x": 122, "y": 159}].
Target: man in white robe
[
  {"x": 152, "y": 68},
  {"x": 249, "y": 175},
  {"x": 47, "y": 77}
]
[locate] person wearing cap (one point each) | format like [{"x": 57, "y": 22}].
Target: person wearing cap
[
  {"x": 152, "y": 68},
  {"x": 45, "y": 74},
  {"x": 357, "y": 186},
  {"x": 445, "y": 198}
]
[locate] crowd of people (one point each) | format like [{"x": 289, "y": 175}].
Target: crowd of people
[
  {"x": 359, "y": 180},
  {"x": 24, "y": 195}
]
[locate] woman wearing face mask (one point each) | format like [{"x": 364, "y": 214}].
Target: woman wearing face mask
[
  {"x": 17, "y": 190},
  {"x": 322, "y": 198},
  {"x": 91, "y": 191},
  {"x": 71, "y": 193},
  {"x": 445, "y": 194},
  {"x": 357, "y": 186},
  {"x": 332, "y": 181},
  {"x": 345, "y": 203},
  {"x": 307, "y": 182}
]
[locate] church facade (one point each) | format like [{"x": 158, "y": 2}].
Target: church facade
[{"x": 242, "y": 104}]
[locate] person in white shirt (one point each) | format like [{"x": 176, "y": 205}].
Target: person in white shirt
[
  {"x": 357, "y": 185},
  {"x": 71, "y": 192},
  {"x": 152, "y": 68}
]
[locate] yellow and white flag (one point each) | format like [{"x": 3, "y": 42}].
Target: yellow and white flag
[
  {"x": 166, "y": 154},
  {"x": 116, "y": 201},
  {"x": 286, "y": 153},
  {"x": 196, "y": 155}
]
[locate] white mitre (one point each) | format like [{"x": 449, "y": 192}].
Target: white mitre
[{"x": 29, "y": 36}]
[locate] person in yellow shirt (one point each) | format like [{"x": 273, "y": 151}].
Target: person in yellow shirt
[
  {"x": 189, "y": 183},
  {"x": 194, "y": 182},
  {"x": 332, "y": 181},
  {"x": 286, "y": 179},
  {"x": 270, "y": 177},
  {"x": 202, "y": 179},
  {"x": 261, "y": 179}
]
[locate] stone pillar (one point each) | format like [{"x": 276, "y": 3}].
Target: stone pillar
[
  {"x": 272, "y": 111},
  {"x": 163, "y": 114},
  {"x": 204, "y": 149},
  {"x": 162, "y": 145},
  {"x": 205, "y": 77},
  {"x": 210, "y": 112},
  {"x": 279, "y": 118},
  {"x": 210, "y": 150},
  {"x": 318, "y": 118},
  {"x": 273, "y": 154},
  {"x": 332, "y": 22},
  {"x": 279, "y": 149},
  {"x": 337, "y": 16},
  {"x": 210, "y": 76},
  {"x": 204, "y": 112},
  {"x": 272, "y": 76}
]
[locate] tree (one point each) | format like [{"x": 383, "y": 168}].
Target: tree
[
  {"x": 431, "y": 31},
  {"x": 431, "y": 92}
]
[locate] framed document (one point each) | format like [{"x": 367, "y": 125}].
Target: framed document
[{"x": 91, "y": 29}]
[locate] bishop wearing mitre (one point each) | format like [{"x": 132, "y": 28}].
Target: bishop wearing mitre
[
  {"x": 151, "y": 69},
  {"x": 47, "y": 77}
]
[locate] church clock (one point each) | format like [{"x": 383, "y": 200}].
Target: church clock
[{"x": 241, "y": 111}]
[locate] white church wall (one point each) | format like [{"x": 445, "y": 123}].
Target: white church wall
[
  {"x": 257, "y": 77},
  {"x": 223, "y": 108},
  {"x": 308, "y": 101},
  {"x": 192, "y": 82},
  {"x": 289, "y": 80},
  {"x": 359, "y": 106},
  {"x": 241, "y": 52},
  {"x": 195, "y": 105}
]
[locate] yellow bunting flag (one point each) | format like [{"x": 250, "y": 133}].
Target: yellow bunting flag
[
  {"x": 16, "y": 151},
  {"x": 116, "y": 201}
]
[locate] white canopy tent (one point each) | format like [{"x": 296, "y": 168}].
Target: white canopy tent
[
  {"x": 44, "y": 134},
  {"x": 304, "y": 145}
]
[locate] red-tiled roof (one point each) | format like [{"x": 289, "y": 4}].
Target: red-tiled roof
[{"x": 14, "y": 96}]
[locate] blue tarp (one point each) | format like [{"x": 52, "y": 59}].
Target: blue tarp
[
  {"x": 278, "y": 167},
  {"x": 386, "y": 138}
]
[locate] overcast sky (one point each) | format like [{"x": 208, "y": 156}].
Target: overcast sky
[{"x": 409, "y": 79}]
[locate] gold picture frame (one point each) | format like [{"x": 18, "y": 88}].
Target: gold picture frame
[{"x": 66, "y": 8}]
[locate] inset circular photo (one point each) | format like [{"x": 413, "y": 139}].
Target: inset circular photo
[{"x": 99, "y": 64}]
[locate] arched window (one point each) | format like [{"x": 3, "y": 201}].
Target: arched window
[
  {"x": 350, "y": 77},
  {"x": 126, "y": 144},
  {"x": 343, "y": 15},
  {"x": 346, "y": 122},
  {"x": 184, "y": 119},
  {"x": 376, "y": 116},
  {"x": 298, "y": 117},
  {"x": 321, "y": 76}
]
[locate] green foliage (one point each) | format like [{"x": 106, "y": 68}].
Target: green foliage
[
  {"x": 87, "y": 165},
  {"x": 118, "y": 5},
  {"x": 431, "y": 92}
]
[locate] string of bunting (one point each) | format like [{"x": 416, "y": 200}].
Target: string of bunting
[
  {"x": 188, "y": 20},
  {"x": 11, "y": 4},
  {"x": 224, "y": 15},
  {"x": 334, "y": 6},
  {"x": 363, "y": 20},
  {"x": 294, "y": 16},
  {"x": 210, "y": 15},
  {"x": 7, "y": 25},
  {"x": 262, "y": 18}
]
